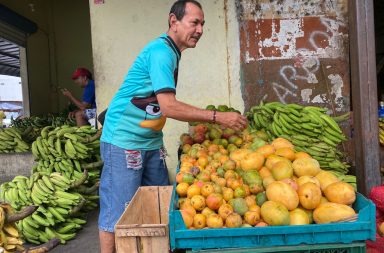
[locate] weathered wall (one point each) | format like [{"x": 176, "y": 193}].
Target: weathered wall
[
  {"x": 295, "y": 51},
  {"x": 62, "y": 42},
  {"x": 209, "y": 74}
]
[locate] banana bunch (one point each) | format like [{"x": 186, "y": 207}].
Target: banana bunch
[
  {"x": 10, "y": 239},
  {"x": 68, "y": 150},
  {"x": 64, "y": 183},
  {"x": 381, "y": 130},
  {"x": 64, "y": 142},
  {"x": 11, "y": 141},
  {"x": 59, "y": 200},
  {"x": 309, "y": 128},
  {"x": 40, "y": 122}
]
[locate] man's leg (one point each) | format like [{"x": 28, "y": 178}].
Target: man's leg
[
  {"x": 155, "y": 168},
  {"x": 107, "y": 242},
  {"x": 81, "y": 120},
  {"x": 120, "y": 178}
]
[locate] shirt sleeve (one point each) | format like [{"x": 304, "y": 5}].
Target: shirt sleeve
[
  {"x": 161, "y": 71},
  {"x": 89, "y": 94}
]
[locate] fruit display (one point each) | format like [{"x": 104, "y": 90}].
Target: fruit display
[
  {"x": 11, "y": 141},
  {"x": 10, "y": 239},
  {"x": 63, "y": 184},
  {"x": 230, "y": 179},
  {"x": 381, "y": 130},
  {"x": 309, "y": 128}
]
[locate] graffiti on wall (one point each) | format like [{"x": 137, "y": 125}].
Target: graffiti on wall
[{"x": 294, "y": 51}]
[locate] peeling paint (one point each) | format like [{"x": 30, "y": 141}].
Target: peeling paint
[
  {"x": 319, "y": 99},
  {"x": 336, "y": 90},
  {"x": 306, "y": 95}
]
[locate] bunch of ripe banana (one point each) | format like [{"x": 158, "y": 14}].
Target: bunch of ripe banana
[
  {"x": 381, "y": 130},
  {"x": 60, "y": 202},
  {"x": 11, "y": 141},
  {"x": 10, "y": 238},
  {"x": 309, "y": 128}
]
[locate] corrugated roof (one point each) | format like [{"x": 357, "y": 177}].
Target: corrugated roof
[{"x": 9, "y": 58}]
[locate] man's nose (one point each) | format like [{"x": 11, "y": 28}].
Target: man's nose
[{"x": 199, "y": 29}]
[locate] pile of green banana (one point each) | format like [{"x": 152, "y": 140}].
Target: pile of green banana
[
  {"x": 40, "y": 122},
  {"x": 64, "y": 183},
  {"x": 309, "y": 128},
  {"x": 59, "y": 201},
  {"x": 68, "y": 150},
  {"x": 11, "y": 141}
]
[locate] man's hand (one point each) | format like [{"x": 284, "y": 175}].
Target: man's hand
[
  {"x": 232, "y": 120},
  {"x": 66, "y": 93}
]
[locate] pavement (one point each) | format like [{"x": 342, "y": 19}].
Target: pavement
[{"x": 86, "y": 241}]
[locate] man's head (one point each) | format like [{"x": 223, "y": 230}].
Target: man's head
[
  {"x": 81, "y": 76},
  {"x": 186, "y": 21}
]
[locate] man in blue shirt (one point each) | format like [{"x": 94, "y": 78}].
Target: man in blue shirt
[
  {"x": 132, "y": 138},
  {"x": 87, "y": 105}
]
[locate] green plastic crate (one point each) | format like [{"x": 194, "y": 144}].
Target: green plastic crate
[{"x": 320, "y": 248}]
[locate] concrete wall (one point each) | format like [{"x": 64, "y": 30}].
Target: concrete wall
[
  {"x": 62, "y": 42},
  {"x": 295, "y": 51},
  {"x": 12, "y": 165},
  {"x": 209, "y": 74}
]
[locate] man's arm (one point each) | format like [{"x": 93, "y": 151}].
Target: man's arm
[
  {"x": 80, "y": 104},
  {"x": 172, "y": 108}
]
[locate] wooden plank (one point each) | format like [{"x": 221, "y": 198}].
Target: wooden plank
[
  {"x": 165, "y": 193},
  {"x": 364, "y": 94},
  {"x": 141, "y": 231},
  {"x": 126, "y": 244},
  {"x": 150, "y": 205},
  {"x": 154, "y": 244},
  {"x": 132, "y": 214}
]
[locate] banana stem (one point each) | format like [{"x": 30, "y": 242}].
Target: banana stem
[
  {"x": 43, "y": 247},
  {"x": 22, "y": 214}
]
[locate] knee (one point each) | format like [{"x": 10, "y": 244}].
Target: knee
[{"x": 79, "y": 114}]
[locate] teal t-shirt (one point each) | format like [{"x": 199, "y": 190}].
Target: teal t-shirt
[{"x": 134, "y": 120}]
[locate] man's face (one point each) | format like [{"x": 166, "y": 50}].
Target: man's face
[
  {"x": 190, "y": 28},
  {"x": 81, "y": 81}
]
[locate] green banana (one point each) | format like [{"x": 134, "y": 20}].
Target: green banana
[{"x": 70, "y": 149}]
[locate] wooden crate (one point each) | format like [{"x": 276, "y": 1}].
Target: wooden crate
[{"x": 143, "y": 227}]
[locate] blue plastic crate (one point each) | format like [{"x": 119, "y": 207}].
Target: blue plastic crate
[
  {"x": 346, "y": 232},
  {"x": 357, "y": 247}
]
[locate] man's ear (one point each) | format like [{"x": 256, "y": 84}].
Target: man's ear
[{"x": 172, "y": 22}]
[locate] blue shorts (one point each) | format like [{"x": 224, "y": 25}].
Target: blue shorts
[{"x": 124, "y": 171}]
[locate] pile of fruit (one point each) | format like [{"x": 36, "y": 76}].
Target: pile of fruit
[
  {"x": 309, "y": 128},
  {"x": 24, "y": 131},
  {"x": 11, "y": 141},
  {"x": 64, "y": 183},
  {"x": 40, "y": 122},
  {"x": 381, "y": 130},
  {"x": 221, "y": 108},
  {"x": 10, "y": 240},
  {"x": 232, "y": 179}
]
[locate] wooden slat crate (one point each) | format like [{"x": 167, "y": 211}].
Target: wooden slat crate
[{"x": 143, "y": 227}]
